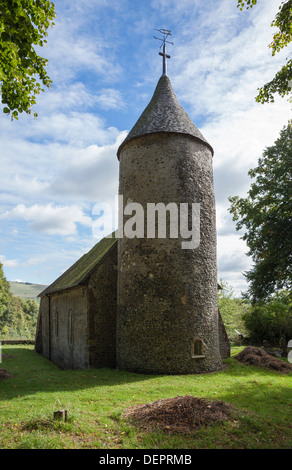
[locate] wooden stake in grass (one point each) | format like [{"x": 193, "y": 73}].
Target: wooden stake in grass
[{"x": 61, "y": 415}]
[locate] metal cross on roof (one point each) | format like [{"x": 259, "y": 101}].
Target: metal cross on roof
[{"x": 166, "y": 33}]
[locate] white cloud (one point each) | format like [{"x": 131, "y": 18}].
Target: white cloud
[
  {"x": 72, "y": 51},
  {"x": 110, "y": 98},
  {"x": 218, "y": 73},
  {"x": 29, "y": 185},
  {"x": 239, "y": 139},
  {"x": 55, "y": 158},
  {"x": 11, "y": 263},
  {"x": 92, "y": 174},
  {"x": 77, "y": 97},
  {"x": 73, "y": 96},
  {"x": 233, "y": 261},
  {"x": 14, "y": 263},
  {"x": 73, "y": 127},
  {"x": 34, "y": 261},
  {"x": 53, "y": 220}
]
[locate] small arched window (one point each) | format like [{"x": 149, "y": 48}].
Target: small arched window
[{"x": 197, "y": 348}]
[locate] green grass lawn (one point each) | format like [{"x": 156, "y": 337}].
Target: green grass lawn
[{"x": 96, "y": 398}]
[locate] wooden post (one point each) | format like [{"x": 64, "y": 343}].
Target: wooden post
[{"x": 61, "y": 415}]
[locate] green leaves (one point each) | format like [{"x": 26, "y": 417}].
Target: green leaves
[
  {"x": 6, "y": 307},
  {"x": 232, "y": 310},
  {"x": 17, "y": 315},
  {"x": 23, "y": 25},
  {"x": 266, "y": 214},
  {"x": 281, "y": 38},
  {"x": 282, "y": 21},
  {"x": 279, "y": 85},
  {"x": 270, "y": 320},
  {"x": 247, "y": 3}
]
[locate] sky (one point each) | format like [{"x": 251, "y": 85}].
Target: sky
[{"x": 104, "y": 64}]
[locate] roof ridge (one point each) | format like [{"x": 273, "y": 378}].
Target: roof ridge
[{"x": 82, "y": 268}]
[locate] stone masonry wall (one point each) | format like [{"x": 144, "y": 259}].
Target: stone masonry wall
[
  {"x": 42, "y": 342},
  {"x": 102, "y": 307},
  {"x": 167, "y": 296},
  {"x": 68, "y": 329}
]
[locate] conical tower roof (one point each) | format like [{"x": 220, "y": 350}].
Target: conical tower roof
[{"x": 164, "y": 114}]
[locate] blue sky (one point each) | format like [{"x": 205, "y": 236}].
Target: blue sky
[{"x": 104, "y": 64}]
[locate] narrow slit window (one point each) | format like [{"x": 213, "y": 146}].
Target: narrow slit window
[
  {"x": 70, "y": 326},
  {"x": 57, "y": 323}
]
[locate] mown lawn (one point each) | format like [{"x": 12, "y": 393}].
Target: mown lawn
[{"x": 96, "y": 398}]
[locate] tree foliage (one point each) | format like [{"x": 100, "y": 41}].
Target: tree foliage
[
  {"x": 18, "y": 317},
  {"x": 282, "y": 37},
  {"x": 271, "y": 320},
  {"x": 29, "y": 306},
  {"x": 232, "y": 310},
  {"x": 267, "y": 216},
  {"x": 23, "y": 27},
  {"x": 6, "y": 304}
]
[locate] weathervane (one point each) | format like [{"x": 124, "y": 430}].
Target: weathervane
[{"x": 166, "y": 33}]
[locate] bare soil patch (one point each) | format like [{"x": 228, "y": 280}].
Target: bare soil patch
[
  {"x": 258, "y": 357},
  {"x": 7, "y": 356},
  {"x": 180, "y": 414},
  {"x": 4, "y": 374}
]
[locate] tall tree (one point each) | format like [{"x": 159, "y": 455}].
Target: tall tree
[
  {"x": 271, "y": 320},
  {"x": 267, "y": 216},
  {"x": 281, "y": 83},
  {"x": 7, "y": 310},
  {"x": 232, "y": 310},
  {"x": 23, "y": 25},
  {"x": 18, "y": 316}
]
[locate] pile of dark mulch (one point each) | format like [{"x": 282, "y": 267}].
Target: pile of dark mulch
[
  {"x": 258, "y": 357},
  {"x": 4, "y": 374},
  {"x": 179, "y": 414}
]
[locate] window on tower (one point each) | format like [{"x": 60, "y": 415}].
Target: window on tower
[{"x": 197, "y": 348}]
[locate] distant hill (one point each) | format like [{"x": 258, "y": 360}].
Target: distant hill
[{"x": 26, "y": 290}]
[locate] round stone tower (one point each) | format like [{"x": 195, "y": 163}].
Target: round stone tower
[{"x": 167, "y": 317}]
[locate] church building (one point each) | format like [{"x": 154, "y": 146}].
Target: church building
[{"x": 146, "y": 304}]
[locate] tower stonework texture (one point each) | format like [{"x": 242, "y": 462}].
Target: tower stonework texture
[{"x": 167, "y": 313}]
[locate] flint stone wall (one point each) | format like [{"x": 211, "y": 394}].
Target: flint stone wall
[
  {"x": 102, "y": 308},
  {"x": 167, "y": 296},
  {"x": 77, "y": 327},
  {"x": 68, "y": 329}
]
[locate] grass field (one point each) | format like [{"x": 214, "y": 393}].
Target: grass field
[
  {"x": 26, "y": 290},
  {"x": 96, "y": 398}
]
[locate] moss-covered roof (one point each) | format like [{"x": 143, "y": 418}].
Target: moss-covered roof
[
  {"x": 164, "y": 114},
  {"x": 79, "y": 272}
]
